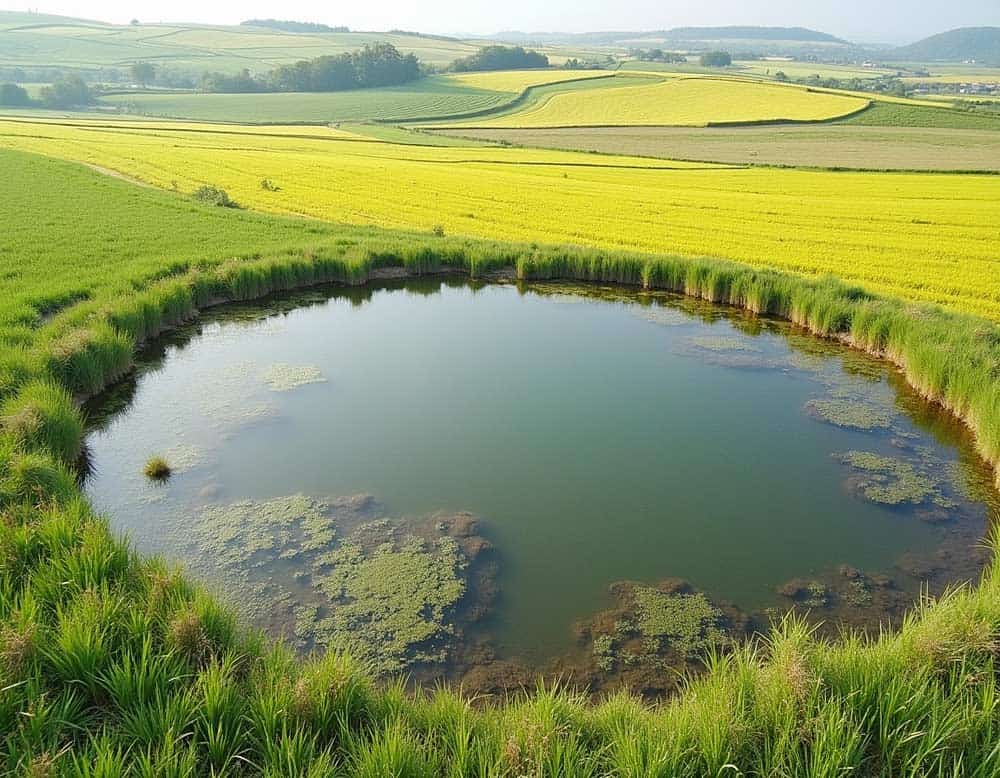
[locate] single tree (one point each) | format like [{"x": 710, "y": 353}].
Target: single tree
[
  {"x": 143, "y": 73},
  {"x": 13, "y": 96},
  {"x": 716, "y": 59},
  {"x": 67, "y": 93}
]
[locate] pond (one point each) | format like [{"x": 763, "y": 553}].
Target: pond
[{"x": 486, "y": 481}]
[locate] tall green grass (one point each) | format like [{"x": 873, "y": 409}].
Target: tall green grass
[{"x": 114, "y": 664}]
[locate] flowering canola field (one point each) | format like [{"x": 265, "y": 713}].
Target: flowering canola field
[
  {"x": 927, "y": 237},
  {"x": 679, "y": 102},
  {"x": 519, "y": 80}
]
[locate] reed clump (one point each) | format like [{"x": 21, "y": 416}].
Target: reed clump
[{"x": 157, "y": 469}]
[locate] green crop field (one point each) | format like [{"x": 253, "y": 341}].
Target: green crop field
[
  {"x": 437, "y": 96},
  {"x": 841, "y": 145},
  {"x": 885, "y": 114},
  {"x": 427, "y": 98}
]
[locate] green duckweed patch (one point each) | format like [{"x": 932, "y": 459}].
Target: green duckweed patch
[
  {"x": 723, "y": 343},
  {"x": 686, "y": 623},
  {"x": 655, "y": 633},
  {"x": 893, "y": 481},
  {"x": 328, "y": 574},
  {"x": 851, "y": 414},
  {"x": 184, "y": 457},
  {"x": 392, "y": 605},
  {"x": 249, "y": 533},
  {"x": 282, "y": 377}
]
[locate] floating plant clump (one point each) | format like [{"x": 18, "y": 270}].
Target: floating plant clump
[
  {"x": 281, "y": 377},
  {"x": 892, "y": 481},
  {"x": 723, "y": 343},
  {"x": 392, "y": 604},
  {"x": 325, "y": 573},
  {"x": 848, "y": 413},
  {"x": 670, "y": 626}
]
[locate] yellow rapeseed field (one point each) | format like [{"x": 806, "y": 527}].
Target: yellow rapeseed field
[
  {"x": 518, "y": 80},
  {"x": 678, "y": 101},
  {"x": 928, "y": 237}
]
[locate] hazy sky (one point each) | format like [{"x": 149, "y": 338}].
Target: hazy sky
[{"x": 862, "y": 20}]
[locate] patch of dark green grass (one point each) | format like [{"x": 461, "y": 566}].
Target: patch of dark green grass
[{"x": 885, "y": 114}]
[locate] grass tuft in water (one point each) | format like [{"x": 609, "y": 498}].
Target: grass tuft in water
[{"x": 156, "y": 469}]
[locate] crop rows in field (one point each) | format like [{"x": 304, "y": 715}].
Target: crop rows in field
[
  {"x": 427, "y": 98},
  {"x": 920, "y": 236},
  {"x": 927, "y": 115},
  {"x": 686, "y": 101},
  {"x": 797, "y": 70},
  {"x": 517, "y": 81}
]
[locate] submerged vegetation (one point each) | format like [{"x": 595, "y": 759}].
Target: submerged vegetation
[
  {"x": 330, "y": 574},
  {"x": 894, "y": 481},
  {"x": 281, "y": 377},
  {"x": 686, "y": 622},
  {"x": 112, "y": 663},
  {"x": 396, "y": 600},
  {"x": 849, "y": 413}
]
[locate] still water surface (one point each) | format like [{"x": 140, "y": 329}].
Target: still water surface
[{"x": 599, "y": 437}]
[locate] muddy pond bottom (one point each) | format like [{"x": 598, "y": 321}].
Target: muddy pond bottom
[{"x": 482, "y": 482}]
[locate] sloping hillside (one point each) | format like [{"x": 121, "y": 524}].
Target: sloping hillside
[
  {"x": 751, "y": 34},
  {"x": 36, "y": 41},
  {"x": 981, "y": 44}
]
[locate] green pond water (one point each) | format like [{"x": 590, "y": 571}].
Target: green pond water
[{"x": 597, "y": 435}]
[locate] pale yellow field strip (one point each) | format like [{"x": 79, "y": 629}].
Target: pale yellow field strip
[{"x": 688, "y": 101}]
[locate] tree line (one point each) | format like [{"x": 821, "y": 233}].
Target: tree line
[
  {"x": 283, "y": 25},
  {"x": 67, "y": 92},
  {"x": 375, "y": 65},
  {"x": 501, "y": 58}
]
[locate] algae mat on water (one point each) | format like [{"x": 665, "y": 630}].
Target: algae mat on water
[
  {"x": 329, "y": 573},
  {"x": 923, "y": 237}
]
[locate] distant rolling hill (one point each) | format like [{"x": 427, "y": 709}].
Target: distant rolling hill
[
  {"x": 752, "y": 33},
  {"x": 744, "y": 35},
  {"x": 32, "y": 41},
  {"x": 981, "y": 44}
]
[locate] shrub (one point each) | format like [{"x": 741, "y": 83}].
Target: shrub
[{"x": 213, "y": 195}]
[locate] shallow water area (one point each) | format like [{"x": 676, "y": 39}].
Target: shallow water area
[{"x": 465, "y": 473}]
